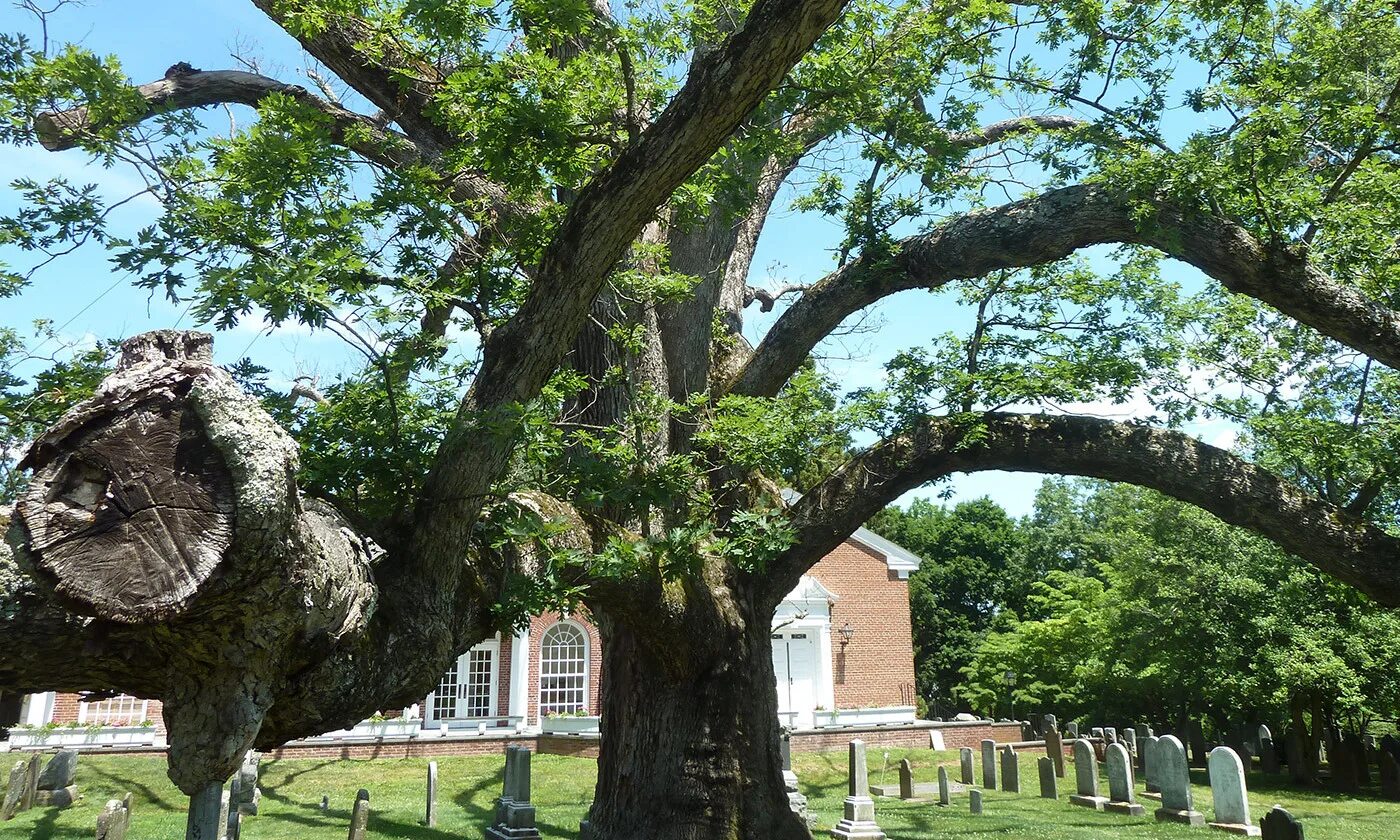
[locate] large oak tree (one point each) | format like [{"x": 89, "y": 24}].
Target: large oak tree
[{"x": 538, "y": 220}]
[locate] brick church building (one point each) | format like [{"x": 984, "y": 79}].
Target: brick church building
[{"x": 842, "y": 652}]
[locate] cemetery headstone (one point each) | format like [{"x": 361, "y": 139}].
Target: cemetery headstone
[
  {"x": 1096, "y": 733},
  {"x": 207, "y": 819},
  {"x": 1086, "y": 777},
  {"x": 516, "y": 815},
  {"x": 234, "y": 828},
  {"x": 114, "y": 820},
  {"x": 1110, "y": 735},
  {"x": 1174, "y": 779},
  {"x": 1010, "y": 770},
  {"x": 1278, "y": 824},
  {"x": 1130, "y": 741},
  {"x": 359, "y": 816},
  {"x": 935, "y": 740},
  {"x": 248, "y": 795},
  {"x": 1072, "y": 730},
  {"x": 1390, "y": 775},
  {"x": 1048, "y": 722},
  {"x": 223, "y": 813},
  {"x": 31, "y": 782},
  {"x": 55, "y": 781},
  {"x": 974, "y": 801},
  {"x": 796, "y": 801},
  {"x": 1048, "y": 789},
  {"x": 858, "y": 810},
  {"x": 14, "y": 791},
  {"x": 1264, "y": 734},
  {"x": 944, "y": 790},
  {"x": 1268, "y": 756},
  {"x": 989, "y": 764},
  {"x": 1055, "y": 751},
  {"x": 1228, "y": 792},
  {"x": 1142, "y": 732},
  {"x": 906, "y": 779},
  {"x": 965, "y": 765},
  {"x": 325, "y": 802},
  {"x": 1027, "y": 732},
  {"x": 430, "y": 817},
  {"x": 1120, "y": 783},
  {"x": 1149, "y": 761}
]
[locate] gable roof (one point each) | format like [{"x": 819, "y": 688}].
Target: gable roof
[{"x": 899, "y": 559}]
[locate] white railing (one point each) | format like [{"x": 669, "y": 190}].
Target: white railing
[{"x": 865, "y": 717}]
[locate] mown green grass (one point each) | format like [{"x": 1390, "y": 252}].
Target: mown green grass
[{"x": 292, "y": 792}]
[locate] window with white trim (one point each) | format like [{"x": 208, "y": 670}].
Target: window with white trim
[
  {"x": 445, "y": 698},
  {"x": 477, "y": 690},
  {"x": 122, "y": 710},
  {"x": 563, "y": 670}
]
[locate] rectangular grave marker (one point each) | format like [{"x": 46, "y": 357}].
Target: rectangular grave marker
[
  {"x": 1174, "y": 778},
  {"x": 1048, "y": 789},
  {"x": 1086, "y": 777},
  {"x": 965, "y": 765},
  {"x": 989, "y": 764},
  {"x": 858, "y": 810},
  {"x": 1228, "y": 792},
  {"x": 1010, "y": 770},
  {"x": 1120, "y": 782}
]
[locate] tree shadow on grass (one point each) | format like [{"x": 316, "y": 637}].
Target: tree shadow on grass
[{"x": 126, "y": 785}]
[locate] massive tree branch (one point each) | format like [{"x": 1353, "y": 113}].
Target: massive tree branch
[
  {"x": 1240, "y": 493},
  {"x": 1052, "y": 226}
]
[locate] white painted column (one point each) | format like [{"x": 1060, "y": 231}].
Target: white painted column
[
  {"x": 826, "y": 688},
  {"x": 37, "y": 709},
  {"x": 520, "y": 675}
]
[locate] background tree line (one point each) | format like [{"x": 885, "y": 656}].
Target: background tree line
[{"x": 1114, "y": 603}]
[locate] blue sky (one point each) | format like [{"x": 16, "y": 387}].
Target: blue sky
[{"x": 85, "y": 298}]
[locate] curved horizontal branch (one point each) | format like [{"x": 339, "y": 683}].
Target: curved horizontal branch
[
  {"x": 185, "y": 87},
  {"x": 1049, "y": 227},
  {"x": 998, "y": 131},
  {"x": 1238, "y": 492}
]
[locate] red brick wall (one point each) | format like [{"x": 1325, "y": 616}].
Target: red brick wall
[{"x": 877, "y": 667}]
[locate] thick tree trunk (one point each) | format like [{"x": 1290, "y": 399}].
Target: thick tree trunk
[{"x": 690, "y": 746}]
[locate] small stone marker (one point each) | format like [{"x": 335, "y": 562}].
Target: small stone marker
[
  {"x": 247, "y": 795},
  {"x": 1120, "y": 782},
  {"x": 1096, "y": 733},
  {"x": 1264, "y": 734},
  {"x": 1173, "y": 776},
  {"x": 325, "y": 802},
  {"x": 974, "y": 801},
  {"x": 234, "y": 827},
  {"x": 935, "y": 740},
  {"x": 31, "y": 782},
  {"x": 359, "y": 817},
  {"x": 1228, "y": 790},
  {"x": 60, "y": 772},
  {"x": 1278, "y": 824},
  {"x": 223, "y": 813},
  {"x": 858, "y": 817},
  {"x": 1010, "y": 770},
  {"x": 989, "y": 764},
  {"x": 1048, "y": 790},
  {"x": 1055, "y": 751},
  {"x": 1130, "y": 741},
  {"x": 965, "y": 763},
  {"x": 206, "y": 819},
  {"x": 906, "y": 779},
  {"x": 1390, "y": 775},
  {"x": 1048, "y": 722},
  {"x": 430, "y": 817},
  {"x": 1110, "y": 735},
  {"x": 115, "y": 819},
  {"x": 1072, "y": 730},
  {"x": 944, "y": 795},
  {"x": 796, "y": 801},
  {"x": 14, "y": 791},
  {"x": 1086, "y": 777}
]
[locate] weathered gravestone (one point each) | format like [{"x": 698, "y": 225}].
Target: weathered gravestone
[
  {"x": 906, "y": 779},
  {"x": 515, "y": 814},
  {"x": 114, "y": 820},
  {"x": 1072, "y": 730},
  {"x": 247, "y": 796},
  {"x": 965, "y": 765},
  {"x": 1010, "y": 770},
  {"x": 935, "y": 740},
  {"x": 1228, "y": 792},
  {"x": 1149, "y": 770},
  {"x": 1086, "y": 777},
  {"x": 1268, "y": 756},
  {"x": 56, "y": 788},
  {"x": 208, "y": 815},
  {"x": 430, "y": 808},
  {"x": 796, "y": 801},
  {"x": 1278, "y": 824},
  {"x": 1055, "y": 751},
  {"x": 989, "y": 764},
  {"x": 359, "y": 816},
  {"x": 974, "y": 801},
  {"x": 31, "y": 782},
  {"x": 1120, "y": 783},
  {"x": 1174, "y": 779},
  {"x": 223, "y": 814},
  {"x": 1390, "y": 775},
  {"x": 1048, "y": 722},
  {"x": 1027, "y": 731},
  {"x": 233, "y": 827},
  {"x": 1048, "y": 790},
  {"x": 944, "y": 791},
  {"x": 1130, "y": 741},
  {"x": 858, "y": 810},
  {"x": 1264, "y": 733},
  {"x": 14, "y": 791}
]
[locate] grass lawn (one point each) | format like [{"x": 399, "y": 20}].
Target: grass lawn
[{"x": 292, "y": 792}]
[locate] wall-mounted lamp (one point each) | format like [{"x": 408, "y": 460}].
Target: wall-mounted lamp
[{"x": 847, "y": 632}]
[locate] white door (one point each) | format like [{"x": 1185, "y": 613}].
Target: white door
[
  {"x": 795, "y": 666},
  {"x": 468, "y": 689}
]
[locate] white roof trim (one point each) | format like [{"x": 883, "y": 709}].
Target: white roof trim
[
  {"x": 810, "y": 589},
  {"x": 899, "y": 559}
]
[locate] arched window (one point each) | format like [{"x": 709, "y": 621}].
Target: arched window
[{"x": 563, "y": 670}]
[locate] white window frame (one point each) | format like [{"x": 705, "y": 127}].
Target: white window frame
[
  {"x": 586, "y": 664},
  {"x": 133, "y": 720},
  {"x": 462, "y": 665}
]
